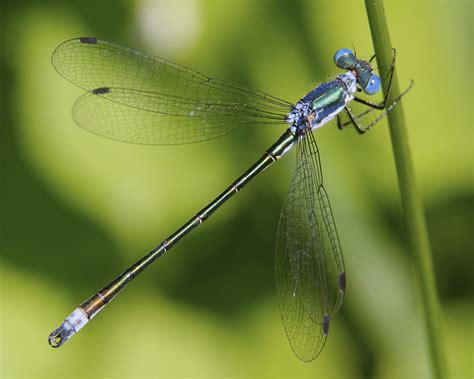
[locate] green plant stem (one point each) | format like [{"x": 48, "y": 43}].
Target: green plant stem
[{"x": 413, "y": 210}]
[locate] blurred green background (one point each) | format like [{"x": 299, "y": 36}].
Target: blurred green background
[{"x": 77, "y": 209}]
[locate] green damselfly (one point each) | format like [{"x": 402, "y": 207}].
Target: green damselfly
[{"x": 139, "y": 98}]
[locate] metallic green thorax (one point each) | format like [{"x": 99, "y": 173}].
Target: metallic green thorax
[{"x": 331, "y": 96}]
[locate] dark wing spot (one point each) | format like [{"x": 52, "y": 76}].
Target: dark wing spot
[
  {"x": 342, "y": 281},
  {"x": 101, "y": 90},
  {"x": 90, "y": 40},
  {"x": 326, "y": 325}
]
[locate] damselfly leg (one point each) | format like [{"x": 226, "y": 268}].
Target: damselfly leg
[
  {"x": 383, "y": 104},
  {"x": 354, "y": 119}
]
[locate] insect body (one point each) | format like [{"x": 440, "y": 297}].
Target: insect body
[{"x": 135, "y": 97}]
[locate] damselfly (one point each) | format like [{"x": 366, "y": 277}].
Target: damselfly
[{"x": 139, "y": 98}]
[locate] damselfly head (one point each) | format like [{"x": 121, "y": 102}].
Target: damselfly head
[
  {"x": 345, "y": 59},
  {"x": 368, "y": 81}
]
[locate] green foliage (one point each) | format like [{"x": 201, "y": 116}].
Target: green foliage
[
  {"x": 414, "y": 219},
  {"x": 76, "y": 209}
]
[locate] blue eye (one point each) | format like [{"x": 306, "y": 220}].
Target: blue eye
[
  {"x": 344, "y": 58},
  {"x": 373, "y": 85}
]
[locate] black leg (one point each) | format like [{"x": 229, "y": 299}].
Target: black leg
[
  {"x": 354, "y": 118},
  {"x": 341, "y": 125},
  {"x": 383, "y": 104},
  {"x": 384, "y": 113}
]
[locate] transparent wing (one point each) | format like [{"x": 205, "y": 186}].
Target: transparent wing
[
  {"x": 130, "y": 89},
  {"x": 152, "y": 118},
  {"x": 309, "y": 265}
]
